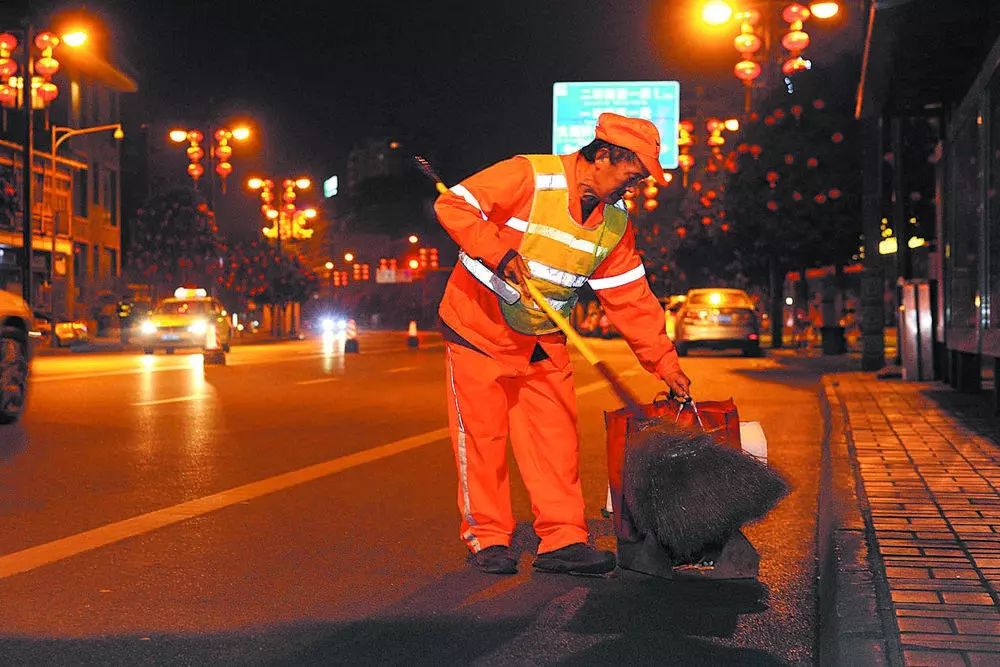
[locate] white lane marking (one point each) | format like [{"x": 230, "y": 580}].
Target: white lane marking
[
  {"x": 124, "y": 371},
  {"x": 318, "y": 381},
  {"x": 67, "y": 547},
  {"x": 401, "y": 369},
  {"x": 179, "y": 399}
]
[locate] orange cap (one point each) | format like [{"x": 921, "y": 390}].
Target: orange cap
[{"x": 638, "y": 135}]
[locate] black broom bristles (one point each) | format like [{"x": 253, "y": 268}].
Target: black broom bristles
[{"x": 689, "y": 492}]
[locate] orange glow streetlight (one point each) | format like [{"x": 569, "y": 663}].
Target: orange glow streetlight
[
  {"x": 76, "y": 38},
  {"x": 716, "y": 12},
  {"x": 328, "y": 266},
  {"x": 348, "y": 256},
  {"x": 413, "y": 238},
  {"x": 824, "y": 10}
]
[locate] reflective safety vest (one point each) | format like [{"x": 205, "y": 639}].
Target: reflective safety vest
[{"x": 560, "y": 252}]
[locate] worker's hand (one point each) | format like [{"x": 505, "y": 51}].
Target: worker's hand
[
  {"x": 679, "y": 384},
  {"x": 517, "y": 273}
]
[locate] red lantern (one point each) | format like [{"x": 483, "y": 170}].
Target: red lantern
[
  {"x": 794, "y": 12},
  {"x": 818, "y": 104},
  {"x": 696, "y": 186},
  {"x": 46, "y": 40},
  {"x": 795, "y": 41},
  {"x": 685, "y": 161},
  {"x": 837, "y": 137},
  {"x": 754, "y": 116},
  {"x": 747, "y": 43},
  {"x": 797, "y": 196},
  {"x": 746, "y": 71},
  {"x": 222, "y": 135},
  {"x": 835, "y": 193},
  {"x": 8, "y": 68},
  {"x": 772, "y": 176},
  {"x": 46, "y": 66},
  {"x": 48, "y": 91},
  {"x": 711, "y": 194},
  {"x": 772, "y": 205},
  {"x": 650, "y": 204},
  {"x": 769, "y": 121},
  {"x": 796, "y": 64},
  {"x": 706, "y": 220},
  {"x": 223, "y": 169},
  {"x": 629, "y": 204},
  {"x": 682, "y": 232},
  {"x": 195, "y": 170},
  {"x": 820, "y": 198},
  {"x": 224, "y": 152},
  {"x": 195, "y": 153},
  {"x": 797, "y": 111},
  {"x": 687, "y": 125},
  {"x": 724, "y": 226},
  {"x": 8, "y": 96},
  {"x": 779, "y": 113},
  {"x": 7, "y": 42},
  {"x": 812, "y": 163},
  {"x": 195, "y": 137},
  {"x": 756, "y": 150},
  {"x": 789, "y": 158},
  {"x": 743, "y": 148}
]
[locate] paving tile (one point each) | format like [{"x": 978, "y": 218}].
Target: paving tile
[
  {"x": 977, "y": 627},
  {"x": 915, "y": 596},
  {"x": 918, "y": 658},
  {"x": 919, "y": 624}
]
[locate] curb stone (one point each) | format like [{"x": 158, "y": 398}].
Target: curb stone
[{"x": 856, "y": 626}]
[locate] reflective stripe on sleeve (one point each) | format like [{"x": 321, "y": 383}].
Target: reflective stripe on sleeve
[
  {"x": 555, "y": 276},
  {"x": 464, "y": 193},
  {"x": 550, "y": 182},
  {"x": 621, "y": 279},
  {"x": 518, "y": 224}
]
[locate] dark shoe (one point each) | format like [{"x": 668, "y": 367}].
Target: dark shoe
[
  {"x": 576, "y": 558},
  {"x": 495, "y": 560}
]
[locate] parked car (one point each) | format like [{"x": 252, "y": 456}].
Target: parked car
[
  {"x": 671, "y": 307},
  {"x": 57, "y": 332},
  {"x": 15, "y": 355},
  {"x": 718, "y": 319},
  {"x": 184, "y": 321}
]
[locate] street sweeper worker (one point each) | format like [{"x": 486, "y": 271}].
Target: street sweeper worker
[{"x": 559, "y": 222}]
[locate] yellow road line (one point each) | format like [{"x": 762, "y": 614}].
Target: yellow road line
[
  {"x": 67, "y": 547},
  {"x": 317, "y": 381}
]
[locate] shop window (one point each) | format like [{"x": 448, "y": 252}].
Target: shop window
[
  {"x": 81, "y": 194},
  {"x": 79, "y": 262},
  {"x": 967, "y": 211}
]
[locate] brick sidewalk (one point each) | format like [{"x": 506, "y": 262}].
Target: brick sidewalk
[{"x": 928, "y": 467}]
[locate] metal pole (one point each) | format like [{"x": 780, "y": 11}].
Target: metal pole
[{"x": 27, "y": 176}]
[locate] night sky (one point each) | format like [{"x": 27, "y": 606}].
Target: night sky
[{"x": 469, "y": 83}]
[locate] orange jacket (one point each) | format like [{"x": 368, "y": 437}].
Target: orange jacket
[{"x": 506, "y": 190}]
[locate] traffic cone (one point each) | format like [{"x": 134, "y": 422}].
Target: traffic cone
[
  {"x": 351, "y": 337},
  {"x": 213, "y": 351},
  {"x": 412, "y": 340}
]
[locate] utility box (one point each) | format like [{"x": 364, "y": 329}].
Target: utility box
[{"x": 916, "y": 330}]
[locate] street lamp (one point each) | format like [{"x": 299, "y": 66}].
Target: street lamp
[
  {"x": 756, "y": 31},
  {"x": 220, "y": 151},
  {"x": 38, "y": 72},
  {"x": 59, "y": 134}
]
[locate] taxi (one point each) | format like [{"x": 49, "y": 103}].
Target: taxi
[{"x": 183, "y": 321}]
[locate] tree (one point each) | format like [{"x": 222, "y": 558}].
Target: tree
[
  {"x": 796, "y": 195},
  {"x": 176, "y": 242}
]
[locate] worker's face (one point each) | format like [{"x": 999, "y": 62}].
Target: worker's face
[{"x": 609, "y": 180}]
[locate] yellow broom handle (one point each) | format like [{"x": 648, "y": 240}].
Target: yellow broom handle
[{"x": 624, "y": 393}]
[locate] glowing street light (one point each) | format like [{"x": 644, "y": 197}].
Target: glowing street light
[
  {"x": 241, "y": 133},
  {"x": 413, "y": 238},
  {"x": 75, "y": 38},
  {"x": 303, "y": 183},
  {"x": 328, "y": 266},
  {"x": 824, "y": 9},
  {"x": 716, "y": 12},
  {"x": 348, "y": 257}
]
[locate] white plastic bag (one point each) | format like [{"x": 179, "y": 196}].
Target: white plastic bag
[{"x": 753, "y": 440}]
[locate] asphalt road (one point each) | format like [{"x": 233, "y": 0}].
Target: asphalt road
[{"x": 298, "y": 506}]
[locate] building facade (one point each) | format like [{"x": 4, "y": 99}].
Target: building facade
[{"x": 76, "y": 193}]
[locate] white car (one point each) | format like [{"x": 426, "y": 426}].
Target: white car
[{"x": 15, "y": 355}]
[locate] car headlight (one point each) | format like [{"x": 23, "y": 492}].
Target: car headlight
[
  {"x": 148, "y": 327},
  {"x": 198, "y": 327},
  {"x": 341, "y": 325},
  {"x": 326, "y": 324}
]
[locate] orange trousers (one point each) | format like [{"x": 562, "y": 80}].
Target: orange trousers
[{"x": 487, "y": 401}]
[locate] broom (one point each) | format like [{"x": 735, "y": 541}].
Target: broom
[{"x": 680, "y": 486}]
